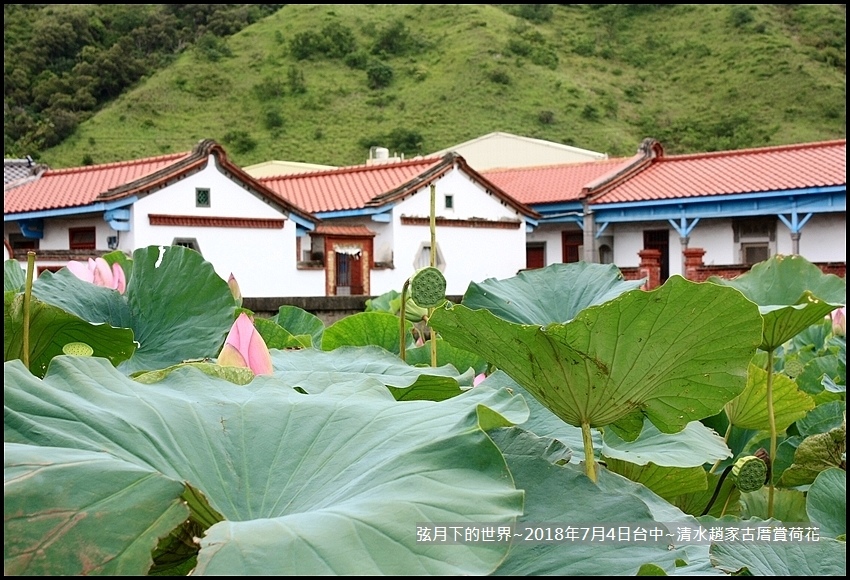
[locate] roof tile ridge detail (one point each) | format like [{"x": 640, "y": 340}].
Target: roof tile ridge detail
[
  {"x": 352, "y": 169},
  {"x": 117, "y": 164},
  {"x": 590, "y": 163},
  {"x": 756, "y": 150}
]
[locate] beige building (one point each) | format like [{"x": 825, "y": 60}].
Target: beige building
[{"x": 496, "y": 150}]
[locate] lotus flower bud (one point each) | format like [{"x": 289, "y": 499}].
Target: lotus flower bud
[
  {"x": 234, "y": 289},
  {"x": 839, "y": 322},
  {"x": 244, "y": 347}
]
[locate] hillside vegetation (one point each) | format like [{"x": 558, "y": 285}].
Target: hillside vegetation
[{"x": 324, "y": 83}]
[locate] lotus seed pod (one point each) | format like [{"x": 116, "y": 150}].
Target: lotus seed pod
[
  {"x": 78, "y": 349},
  {"x": 428, "y": 287},
  {"x": 750, "y": 473},
  {"x": 793, "y": 368}
]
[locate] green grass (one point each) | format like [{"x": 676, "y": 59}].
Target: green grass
[{"x": 696, "y": 77}]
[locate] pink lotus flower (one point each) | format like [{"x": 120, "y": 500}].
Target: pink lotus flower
[
  {"x": 839, "y": 321},
  {"x": 245, "y": 347},
  {"x": 98, "y": 273},
  {"x": 479, "y": 378}
]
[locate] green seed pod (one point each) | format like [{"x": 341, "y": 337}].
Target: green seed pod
[
  {"x": 750, "y": 473},
  {"x": 78, "y": 349},
  {"x": 428, "y": 287}
]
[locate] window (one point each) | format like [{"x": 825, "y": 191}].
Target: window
[
  {"x": 450, "y": 201},
  {"x": 81, "y": 238},
  {"x": 202, "y": 197},
  {"x": 423, "y": 257},
  {"x": 190, "y": 243},
  {"x": 756, "y": 239},
  {"x": 21, "y": 242},
  {"x": 754, "y": 253}
]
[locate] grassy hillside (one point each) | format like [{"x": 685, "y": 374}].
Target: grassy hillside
[{"x": 600, "y": 77}]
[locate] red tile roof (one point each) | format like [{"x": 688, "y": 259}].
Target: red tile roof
[
  {"x": 82, "y": 186},
  {"x": 552, "y": 183},
  {"x": 347, "y": 187},
  {"x": 345, "y": 231},
  {"x": 820, "y": 164},
  {"x": 76, "y": 186},
  {"x": 365, "y": 186}
]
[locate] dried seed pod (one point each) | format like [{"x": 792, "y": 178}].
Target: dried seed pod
[{"x": 428, "y": 287}]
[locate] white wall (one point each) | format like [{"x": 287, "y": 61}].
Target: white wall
[
  {"x": 470, "y": 254},
  {"x": 822, "y": 239},
  {"x": 262, "y": 260}
]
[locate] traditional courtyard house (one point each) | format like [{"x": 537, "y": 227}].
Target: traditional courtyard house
[
  {"x": 375, "y": 224},
  {"x": 507, "y": 150},
  {"x": 198, "y": 199},
  {"x": 733, "y": 208}
]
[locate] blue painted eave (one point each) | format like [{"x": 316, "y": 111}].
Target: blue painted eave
[
  {"x": 814, "y": 200},
  {"x": 66, "y": 211}
]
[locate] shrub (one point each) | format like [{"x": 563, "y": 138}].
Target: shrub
[
  {"x": 546, "y": 117},
  {"x": 212, "y": 48},
  {"x": 240, "y": 141},
  {"x": 590, "y": 113},
  {"x": 295, "y": 80},
  {"x": 740, "y": 16},
  {"x": 357, "y": 59},
  {"x": 269, "y": 89},
  {"x": 499, "y": 76},
  {"x": 337, "y": 40},
  {"x": 379, "y": 75},
  {"x": 273, "y": 120},
  {"x": 304, "y": 45}
]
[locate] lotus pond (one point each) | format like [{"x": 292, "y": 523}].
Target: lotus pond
[{"x": 146, "y": 433}]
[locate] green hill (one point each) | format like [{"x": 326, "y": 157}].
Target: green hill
[{"x": 322, "y": 84}]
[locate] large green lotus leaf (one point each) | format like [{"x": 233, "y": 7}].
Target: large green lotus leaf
[
  {"x": 175, "y": 303},
  {"x": 789, "y": 505},
  {"x": 822, "y": 418},
  {"x": 70, "y": 512},
  {"x": 275, "y": 336},
  {"x": 556, "y": 293},
  {"x": 792, "y": 294},
  {"x": 181, "y": 309},
  {"x": 816, "y": 453},
  {"x": 299, "y": 322},
  {"x": 316, "y": 370},
  {"x": 14, "y": 276},
  {"x": 667, "y": 482},
  {"x": 675, "y": 354},
  {"x": 235, "y": 375},
  {"x": 832, "y": 367},
  {"x": 446, "y": 354},
  {"x": 543, "y": 422},
  {"x": 826, "y": 557},
  {"x": 51, "y": 328},
  {"x": 367, "y": 328},
  {"x": 563, "y": 495},
  {"x": 342, "y": 480},
  {"x": 693, "y": 446},
  {"x": 749, "y": 409},
  {"x": 826, "y": 502},
  {"x": 89, "y": 302}
]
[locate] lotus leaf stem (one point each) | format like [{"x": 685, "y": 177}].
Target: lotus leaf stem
[{"x": 25, "y": 356}]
